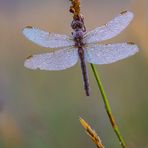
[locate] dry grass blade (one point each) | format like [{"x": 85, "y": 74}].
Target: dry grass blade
[{"x": 92, "y": 134}]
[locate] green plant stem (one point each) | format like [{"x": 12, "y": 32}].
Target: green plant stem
[{"x": 107, "y": 107}]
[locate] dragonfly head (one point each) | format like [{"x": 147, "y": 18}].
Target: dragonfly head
[{"x": 76, "y": 24}]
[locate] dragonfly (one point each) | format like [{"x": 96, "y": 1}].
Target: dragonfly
[{"x": 80, "y": 45}]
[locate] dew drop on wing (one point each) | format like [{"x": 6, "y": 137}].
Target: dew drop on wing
[
  {"x": 46, "y": 39},
  {"x": 58, "y": 60},
  {"x": 109, "y": 53},
  {"x": 109, "y": 30}
]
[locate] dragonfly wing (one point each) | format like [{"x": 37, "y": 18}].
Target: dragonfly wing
[
  {"x": 58, "y": 60},
  {"x": 47, "y": 39},
  {"x": 109, "y": 30},
  {"x": 106, "y": 54}
]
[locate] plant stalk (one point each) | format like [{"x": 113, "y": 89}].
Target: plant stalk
[
  {"x": 75, "y": 10},
  {"x": 107, "y": 107}
]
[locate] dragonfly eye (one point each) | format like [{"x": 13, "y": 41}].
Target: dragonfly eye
[{"x": 76, "y": 24}]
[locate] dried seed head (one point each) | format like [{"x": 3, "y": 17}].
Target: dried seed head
[
  {"x": 72, "y": 10},
  {"x": 92, "y": 134}
]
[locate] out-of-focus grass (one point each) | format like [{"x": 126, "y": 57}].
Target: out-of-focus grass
[{"x": 41, "y": 109}]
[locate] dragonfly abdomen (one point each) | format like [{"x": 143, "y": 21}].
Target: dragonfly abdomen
[{"x": 84, "y": 70}]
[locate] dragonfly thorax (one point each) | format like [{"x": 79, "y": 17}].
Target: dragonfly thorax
[{"x": 78, "y": 37}]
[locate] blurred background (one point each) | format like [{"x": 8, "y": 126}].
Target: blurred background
[{"x": 40, "y": 109}]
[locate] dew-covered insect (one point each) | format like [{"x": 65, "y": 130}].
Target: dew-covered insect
[{"x": 81, "y": 45}]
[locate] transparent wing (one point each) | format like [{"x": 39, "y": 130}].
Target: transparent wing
[
  {"x": 111, "y": 29},
  {"x": 105, "y": 54},
  {"x": 46, "y": 39},
  {"x": 58, "y": 60}
]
